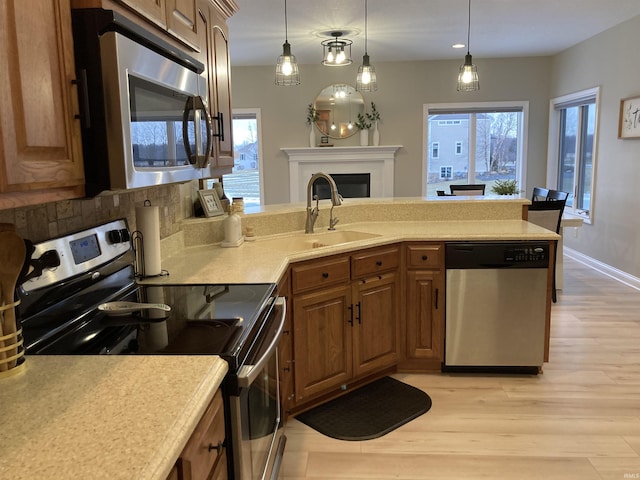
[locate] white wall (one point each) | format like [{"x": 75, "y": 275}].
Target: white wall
[
  {"x": 403, "y": 89},
  {"x": 608, "y": 60}
]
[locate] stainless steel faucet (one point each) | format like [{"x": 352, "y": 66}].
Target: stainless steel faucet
[{"x": 312, "y": 213}]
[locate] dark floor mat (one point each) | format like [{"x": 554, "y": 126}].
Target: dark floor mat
[{"x": 368, "y": 412}]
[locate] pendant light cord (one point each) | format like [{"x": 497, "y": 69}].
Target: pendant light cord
[
  {"x": 365, "y": 26},
  {"x": 468, "y": 29},
  {"x": 286, "y": 33}
]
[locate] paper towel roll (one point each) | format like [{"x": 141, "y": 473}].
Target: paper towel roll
[{"x": 148, "y": 224}]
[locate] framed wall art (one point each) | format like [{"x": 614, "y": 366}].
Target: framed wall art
[
  {"x": 210, "y": 203},
  {"x": 629, "y": 124}
]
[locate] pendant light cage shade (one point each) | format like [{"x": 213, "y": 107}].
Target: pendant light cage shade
[
  {"x": 287, "y": 72},
  {"x": 366, "y": 81},
  {"x": 468, "y": 75}
]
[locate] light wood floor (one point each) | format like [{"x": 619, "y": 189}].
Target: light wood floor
[{"x": 579, "y": 420}]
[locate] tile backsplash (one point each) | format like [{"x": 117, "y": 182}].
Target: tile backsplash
[{"x": 50, "y": 220}]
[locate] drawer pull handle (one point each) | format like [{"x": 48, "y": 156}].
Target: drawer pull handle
[
  {"x": 425, "y": 257},
  {"x": 325, "y": 275},
  {"x": 217, "y": 448},
  {"x": 379, "y": 263}
]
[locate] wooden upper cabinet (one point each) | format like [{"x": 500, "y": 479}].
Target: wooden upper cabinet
[
  {"x": 219, "y": 83},
  {"x": 152, "y": 10},
  {"x": 40, "y": 140},
  {"x": 182, "y": 21}
]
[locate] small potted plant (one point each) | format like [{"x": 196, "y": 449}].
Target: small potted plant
[
  {"x": 505, "y": 187},
  {"x": 363, "y": 124},
  {"x": 374, "y": 117},
  {"x": 312, "y": 118}
]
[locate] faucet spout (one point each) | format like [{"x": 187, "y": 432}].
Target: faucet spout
[{"x": 312, "y": 213}]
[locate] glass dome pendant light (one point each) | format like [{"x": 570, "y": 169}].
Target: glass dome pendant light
[
  {"x": 468, "y": 75},
  {"x": 366, "y": 80},
  {"x": 287, "y": 68}
]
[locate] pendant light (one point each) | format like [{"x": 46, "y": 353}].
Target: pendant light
[
  {"x": 287, "y": 68},
  {"x": 468, "y": 76},
  {"x": 366, "y": 80},
  {"x": 336, "y": 52}
]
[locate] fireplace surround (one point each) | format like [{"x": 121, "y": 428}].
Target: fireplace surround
[{"x": 378, "y": 162}]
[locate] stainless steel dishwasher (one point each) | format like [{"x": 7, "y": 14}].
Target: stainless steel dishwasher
[{"x": 495, "y": 305}]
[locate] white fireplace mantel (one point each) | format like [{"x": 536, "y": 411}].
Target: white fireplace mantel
[{"x": 377, "y": 161}]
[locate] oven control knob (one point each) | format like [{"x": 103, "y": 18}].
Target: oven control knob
[
  {"x": 124, "y": 235},
  {"x": 114, "y": 236},
  {"x": 118, "y": 236}
]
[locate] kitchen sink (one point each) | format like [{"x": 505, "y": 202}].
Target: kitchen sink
[{"x": 307, "y": 241}]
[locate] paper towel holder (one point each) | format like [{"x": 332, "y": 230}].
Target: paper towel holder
[{"x": 138, "y": 250}]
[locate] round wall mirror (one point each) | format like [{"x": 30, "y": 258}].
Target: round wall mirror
[{"x": 338, "y": 107}]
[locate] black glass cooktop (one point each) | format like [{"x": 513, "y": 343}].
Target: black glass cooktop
[{"x": 204, "y": 319}]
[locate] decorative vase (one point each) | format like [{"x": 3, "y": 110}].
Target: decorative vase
[
  {"x": 364, "y": 137},
  {"x": 312, "y": 136},
  {"x": 376, "y": 134}
]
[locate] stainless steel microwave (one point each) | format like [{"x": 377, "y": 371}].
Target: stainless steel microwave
[{"x": 144, "y": 118}]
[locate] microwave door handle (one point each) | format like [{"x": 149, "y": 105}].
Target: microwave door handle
[
  {"x": 209, "y": 145},
  {"x": 249, "y": 373},
  {"x": 189, "y": 106}
]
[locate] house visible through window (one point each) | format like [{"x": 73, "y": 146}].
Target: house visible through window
[
  {"x": 474, "y": 143},
  {"x": 245, "y": 180},
  {"x": 574, "y": 123}
]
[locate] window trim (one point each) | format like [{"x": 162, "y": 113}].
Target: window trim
[
  {"x": 257, "y": 112},
  {"x": 436, "y": 146},
  {"x": 521, "y": 170},
  {"x": 449, "y": 168},
  {"x": 555, "y": 104}
]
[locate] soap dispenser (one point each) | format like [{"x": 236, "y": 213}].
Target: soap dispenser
[{"x": 232, "y": 226}]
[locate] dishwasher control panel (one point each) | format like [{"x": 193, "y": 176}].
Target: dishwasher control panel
[{"x": 525, "y": 254}]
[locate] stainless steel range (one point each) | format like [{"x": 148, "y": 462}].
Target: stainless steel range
[{"x": 81, "y": 297}]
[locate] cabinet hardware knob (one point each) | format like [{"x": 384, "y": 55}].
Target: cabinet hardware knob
[
  {"x": 425, "y": 257},
  {"x": 379, "y": 263},
  {"x": 286, "y": 369},
  {"x": 217, "y": 447},
  {"x": 325, "y": 275}
]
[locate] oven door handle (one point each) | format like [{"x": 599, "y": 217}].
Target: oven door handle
[{"x": 249, "y": 373}]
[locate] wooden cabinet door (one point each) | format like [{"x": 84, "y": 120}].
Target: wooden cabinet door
[
  {"x": 322, "y": 341},
  {"x": 40, "y": 140},
  {"x": 425, "y": 315},
  {"x": 220, "y": 88},
  {"x": 153, "y": 10},
  {"x": 376, "y": 339},
  {"x": 182, "y": 21}
]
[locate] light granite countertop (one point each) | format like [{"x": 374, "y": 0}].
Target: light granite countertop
[
  {"x": 102, "y": 417},
  {"x": 265, "y": 260}
]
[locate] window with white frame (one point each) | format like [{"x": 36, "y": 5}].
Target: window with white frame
[
  {"x": 482, "y": 142},
  {"x": 572, "y": 149},
  {"x": 435, "y": 150},
  {"x": 446, "y": 172}
]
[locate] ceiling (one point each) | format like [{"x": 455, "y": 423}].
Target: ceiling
[{"x": 413, "y": 30}]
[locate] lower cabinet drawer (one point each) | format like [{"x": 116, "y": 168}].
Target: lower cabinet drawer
[
  {"x": 320, "y": 273},
  {"x": 205, "y": 449},
  {"x": 424, "y": 256}
]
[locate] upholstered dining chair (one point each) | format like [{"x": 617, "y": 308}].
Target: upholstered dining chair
[
  {"x": 473, "y": 189},
  {"x": 548, "y": 214}
]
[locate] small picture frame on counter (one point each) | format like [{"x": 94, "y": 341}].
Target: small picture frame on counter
[{"x": 210, "y": 202}]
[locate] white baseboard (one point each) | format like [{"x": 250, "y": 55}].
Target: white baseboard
[{"x": 619, "y": 275}]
